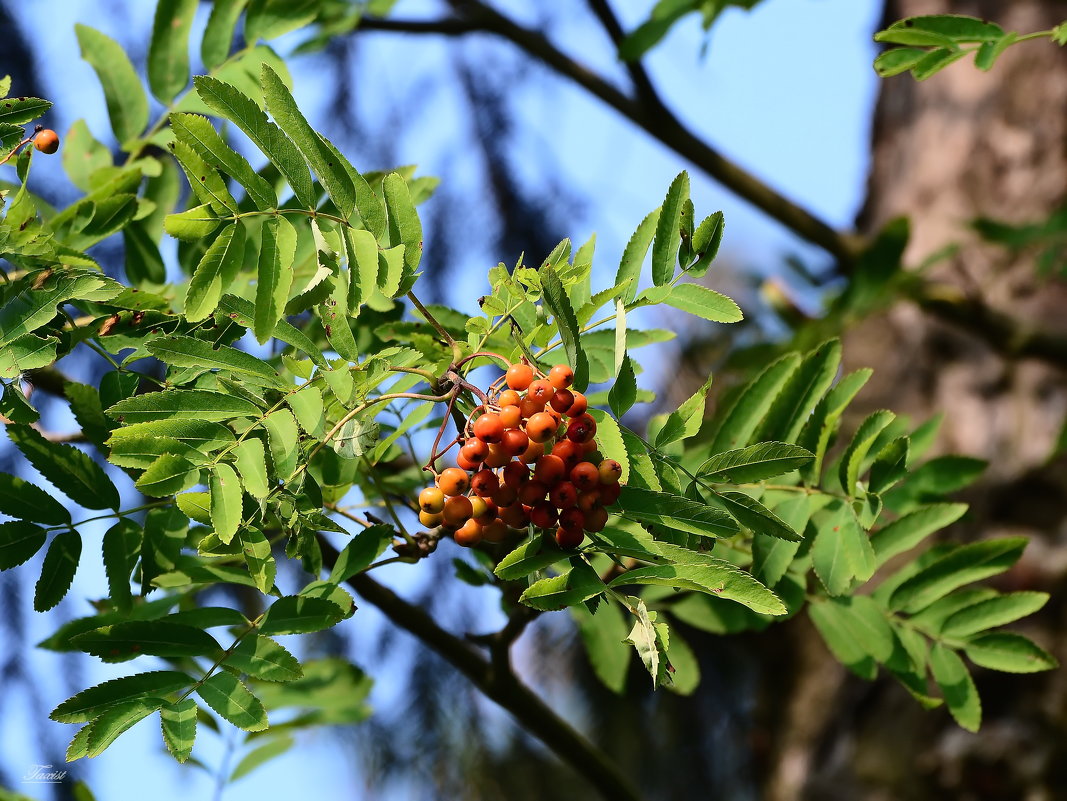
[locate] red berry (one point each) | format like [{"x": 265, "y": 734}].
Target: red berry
[
  {"x": 562, "y": 400},
  {"x": 484, "y": 510},
  {"x": 505, "y": 496},
  {"x": 519, "y": 376},
  {"x": 550, "y": 469},
  {"x": 596, "y": 519},
  {"x": 587, "y": 501},
  {"x": 515, "y": 442},
  {"x": 453, "y": 481},
  {"x": 531, "y": 492},
  {"x": 582, "y": 429},
  {"x": 609, "y": 493},
  {"x": 563, "y": 495},
  {"x": 573, "y": 518},
  {"x": 529, "y": 407},
  {"x": 489, "y": 427},
  {"x": 561, "y": 376},
  {"x": 543, "y": 514},
  {"x": 569, "y": 538},
  {"x": 485, "y": 483},
  {"x": 516, "y": 474},
  {"x": 585, "y": 475},
  {"x": 567, "y": 450}
]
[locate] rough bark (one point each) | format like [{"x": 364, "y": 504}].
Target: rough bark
[{"x": 961, "y": 145}]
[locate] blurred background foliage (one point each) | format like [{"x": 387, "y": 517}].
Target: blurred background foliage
[{"x": 959, "y": 309}]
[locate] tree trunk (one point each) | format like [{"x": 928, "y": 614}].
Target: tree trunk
[{"x": 962, "y": 145}]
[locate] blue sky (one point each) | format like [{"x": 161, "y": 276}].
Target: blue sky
[{"x": 786, "y": 90}]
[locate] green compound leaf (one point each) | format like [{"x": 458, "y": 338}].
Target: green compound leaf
[
  {"x": 151, "y": 637},
  {"x": 71, "y": 470},
  {"x": 572, "y": 587},
  {"x": 675, "y": 511},
  {"x": 178, "y": 721},
  {"x": 230, "y": 103},
  {"x": 299, "y": 614},
  {"x": 168, "y": 49},
  {"x": 57, "y": 572},
  {"x": 754, "y": 463},
  {"x": 19, "y": 541},
  {"x": 224, "y": 489},
  {"x": 127, "y": 105},
  {"x": 89, "y": 703},
  {"x": 215, "y": 272},
  {"x": 957, "y": 686},
  {"x": 262, "y": 658},
  {"x": 19, "y": 498},
  {"x": 721, "y": 580},
  {"x": 181, "y": 405},
  {"x": 704, "y": 302},
  {"x": 191, "y": 352},
  {"x": 233, "y": 701},
  {"x": 114, "y": 720},
  {"x": 559, "y": 304}
]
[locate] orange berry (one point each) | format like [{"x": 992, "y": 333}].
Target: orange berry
[
  {"x": 514, "y": 515},
  {"x": 511, "y": 416},
  {"x": 469, "y": 534},
  {"x": 569, "y": 538},
  {"x": 585, "y": 475},
  {"x": 431, "y": 500},
  {"x": 609, "y": 472},
  {"x": 430, "y": 520},
  {"x": 485, "y": 483},
  {"x": 453, "y": 481},
  {"x": 541, "y": 427},
  {"x": 464, "y": 463},
  {"x": 482, "y": 510},
  {"x": 567, "y": 450},
  {"x": 497, "y": 457},
  {"x": 489, "y": 427},
  {"x": 561, "y": 376},
  {"x": 541, "y": 391},
  {"x": 519, "y": 376},
  {"x": 550, "y": 469},
  {"x": 47, "y": 141},
  {"x": 508, "y": 397},
  {"x": 458, "y": 510},
  {"x": 495, "y": 531},
  {"x": 579, "y": 406},
  {"x": 533, "y": 452},
  {"x": 475, "y": 450}
]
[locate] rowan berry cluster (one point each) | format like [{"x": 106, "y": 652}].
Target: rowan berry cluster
[{"x": 528, "y": 455}]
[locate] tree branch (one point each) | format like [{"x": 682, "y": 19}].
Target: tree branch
[
  {"x": 502, "y": 687},
  {"x": 657, "y": 120}
]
